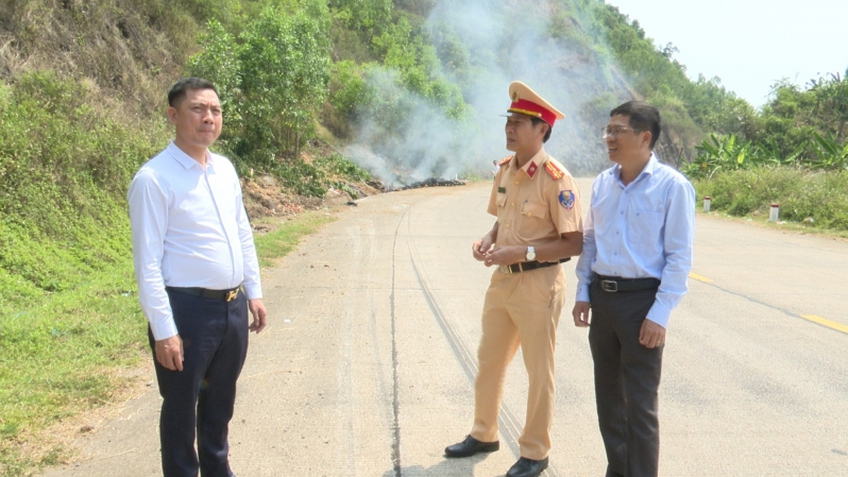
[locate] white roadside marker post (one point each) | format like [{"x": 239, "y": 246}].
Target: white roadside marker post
[{"x": 774, "y": 212}]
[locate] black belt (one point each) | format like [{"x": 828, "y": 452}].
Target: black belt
[
  {"x": 618, "y": 284},
  {"x": 527, "y": 266},
  {"x": 226, "y": 295}
]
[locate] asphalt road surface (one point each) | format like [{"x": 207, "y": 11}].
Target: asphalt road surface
[{"x": 368, "y": 363}]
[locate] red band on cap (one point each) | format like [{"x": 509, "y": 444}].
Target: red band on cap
[{"x": 532, "y": 109}]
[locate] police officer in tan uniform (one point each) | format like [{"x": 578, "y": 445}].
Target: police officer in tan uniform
[{"x": 539, "y": 226}]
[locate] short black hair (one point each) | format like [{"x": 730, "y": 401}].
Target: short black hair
[
  {"x": 178, "y": 91},
  {"x": 642, "y": 117},
  {"x": 537, "y": 121}
]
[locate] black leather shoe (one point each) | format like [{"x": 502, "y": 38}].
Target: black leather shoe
[
  {"x": 527, "y": 467},
  {"x": 469, "y": 447}
]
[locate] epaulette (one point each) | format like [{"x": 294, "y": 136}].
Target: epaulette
[
  {"x": 554, "y": 170},
  {"x": 505, "y": 161}
]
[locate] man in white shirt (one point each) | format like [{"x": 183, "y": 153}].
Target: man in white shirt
[
  {"x": 637, "y": 253},
  {"x": 198, "y": 276}
]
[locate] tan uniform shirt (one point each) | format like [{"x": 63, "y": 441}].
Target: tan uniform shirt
[{"x": 535, "y": 204}]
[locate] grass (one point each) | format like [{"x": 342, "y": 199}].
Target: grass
[
  {"x": 59, "y": 355},
  {"x": 66, "y": 353},
  {"x": 284, "y": 237},
  {"x": 809, "y": 201},
  {"x": 763, "y": 221}
]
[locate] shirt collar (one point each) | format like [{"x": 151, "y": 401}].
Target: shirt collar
[
  {"x": 535, "y": 163},
  {"x": 648, "y": 170},
  {"x": 187, "y": 161},
  {"x": 651, "y": 165}
]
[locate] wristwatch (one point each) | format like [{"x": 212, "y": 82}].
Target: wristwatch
[{"x": 531, "y": 253}]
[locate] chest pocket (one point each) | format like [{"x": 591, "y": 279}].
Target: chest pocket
[
  {"x": 534, "y": 211},
  {"x": 645, "y": 226},
  {"x": 501, "y": 199}
]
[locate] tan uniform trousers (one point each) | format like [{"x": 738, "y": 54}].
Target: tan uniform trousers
[{"x": 521, "y": 308}]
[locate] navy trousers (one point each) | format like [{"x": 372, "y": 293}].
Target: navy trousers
[
  {"x": 198, "y": 401},
  {"x": 627, "y": 378}
]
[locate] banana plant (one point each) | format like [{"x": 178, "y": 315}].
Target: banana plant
[
  {"x": 831, "y": 154},
  {"x": 769, "y": 153},
  {"x": 718, "y": 154}
]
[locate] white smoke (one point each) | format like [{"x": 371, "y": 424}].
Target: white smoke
[
  {"x": 425, "y": 144},
  {"x": 505, "y": 41}
]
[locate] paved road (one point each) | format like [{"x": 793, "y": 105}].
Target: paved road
[{"x": 367, "y": 367}]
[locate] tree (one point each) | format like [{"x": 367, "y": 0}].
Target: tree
[
  {"x": 370, "y": 17},
  {"x": 830, "y": 109},
  {"x": 272, "y": 81}
]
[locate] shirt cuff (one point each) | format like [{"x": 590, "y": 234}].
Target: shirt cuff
[
  {"x": 582, "y": 293},
  {"x": 659, "y": 314},
  {"x": 253, "y": 291},
  {"x": 164, "y": 329}
]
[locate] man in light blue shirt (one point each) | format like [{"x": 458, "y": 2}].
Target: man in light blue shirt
[{"x": 637, "y": 253}]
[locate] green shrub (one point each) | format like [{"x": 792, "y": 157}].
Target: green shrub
[
  {"x": 818, "y": 199},
  {"x": 370, "y": 17},
  {"x": 340, "y": 166},
  {"x": 65, "y": 168},
  {"x": 346, "y": 92}
]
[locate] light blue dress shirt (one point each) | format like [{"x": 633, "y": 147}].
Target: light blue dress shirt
[
  {"x": 643, "y": 230},
  {"x": 189, "y": 229}
]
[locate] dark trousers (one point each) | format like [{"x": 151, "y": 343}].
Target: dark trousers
[
  {"x": 627, "y": 377},
  {"x": 202, "y": 395}
]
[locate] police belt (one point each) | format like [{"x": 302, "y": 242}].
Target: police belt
[
  {"x": 527, "y": 266},
  {"x": 226, "y": 295},
  {"x": 618, "y": 284}
]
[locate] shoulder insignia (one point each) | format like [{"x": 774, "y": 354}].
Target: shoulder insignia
[
  {"x": 566, "y": 199},
  {"x": 505, "y": 161},
  {"x": 554, "y": 171}
]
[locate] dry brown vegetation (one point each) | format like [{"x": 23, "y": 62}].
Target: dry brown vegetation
[{"x": 129, "y": 51}]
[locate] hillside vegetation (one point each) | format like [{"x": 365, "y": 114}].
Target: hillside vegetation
[{"x": 319, "y": 95}]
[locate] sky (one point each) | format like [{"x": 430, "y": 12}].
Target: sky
[{"x": 749, "y": 44}]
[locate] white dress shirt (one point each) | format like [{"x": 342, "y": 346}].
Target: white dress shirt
[
  {"x": 643, "y": 230},
  {"x": 189, "y": 229}
]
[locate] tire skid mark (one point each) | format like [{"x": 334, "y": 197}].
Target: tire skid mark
[
  {"x": 396, "y": 457},
  {"x": 346, "y": 432},
  {"x": 510, "y": 426}
]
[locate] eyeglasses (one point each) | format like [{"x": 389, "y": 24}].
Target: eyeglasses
[{"x": 616, "y": 131}]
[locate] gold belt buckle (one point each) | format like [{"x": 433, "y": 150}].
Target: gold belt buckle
[{"x": 232, "y": 294}]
